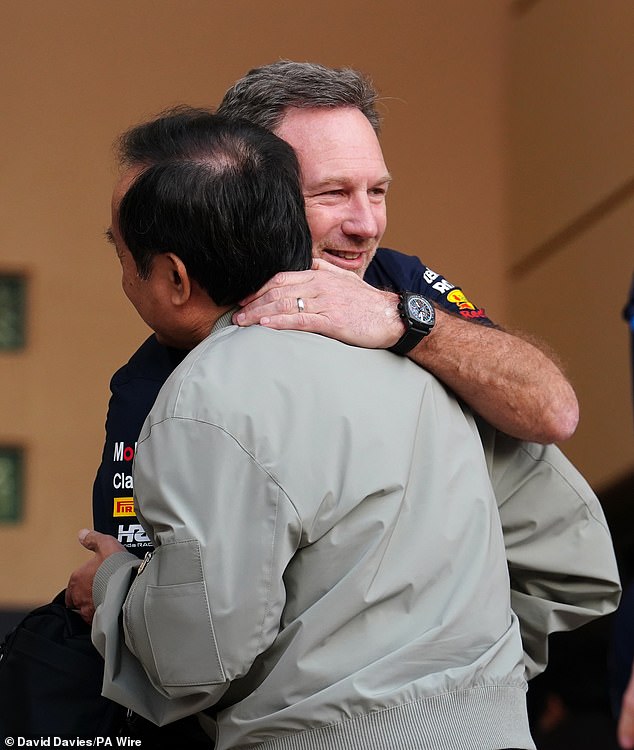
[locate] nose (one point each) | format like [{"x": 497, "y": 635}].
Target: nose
[{"x": 362, "y": 218}]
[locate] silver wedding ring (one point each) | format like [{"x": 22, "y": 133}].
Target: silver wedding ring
[{"x": 300, "y": 304}]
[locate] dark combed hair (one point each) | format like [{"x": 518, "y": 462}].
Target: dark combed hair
[
  {"x": 223, "y": 195},
  {"x": 264, "y": 94}
]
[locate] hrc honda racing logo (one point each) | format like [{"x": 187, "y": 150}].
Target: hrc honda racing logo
[{"x": 132, "y": 535}]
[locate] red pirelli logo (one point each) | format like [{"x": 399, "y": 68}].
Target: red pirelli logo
[{"x": 123, "y": 506}]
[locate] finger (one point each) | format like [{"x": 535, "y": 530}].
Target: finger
[
  {"x": 319, "y": 264},
  {"x": 279, "y": 281},
  {"x": 314, "y": 323},
  {"x": 281, "y": 321},
  {"x": 88, "y": 539},
  {"x": 254, "y": 312},
  {"x": 87, "y": 612}
]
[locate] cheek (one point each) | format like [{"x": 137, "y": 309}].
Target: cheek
[
  {"x": 126, "y": 285},
  {"x": 380, "y": 216},
  {"x": 130, "y": 286},
  {"x": 322, "y": 221},
  {"x": 127, "y": 292}
]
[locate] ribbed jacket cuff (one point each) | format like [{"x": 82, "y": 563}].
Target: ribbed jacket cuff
[{"x": 108, "y": 567}]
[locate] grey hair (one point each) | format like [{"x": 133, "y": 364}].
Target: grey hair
[{"x": 264, "y": 94}]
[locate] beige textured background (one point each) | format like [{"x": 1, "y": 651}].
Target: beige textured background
[{"x": 508, "y": 128}]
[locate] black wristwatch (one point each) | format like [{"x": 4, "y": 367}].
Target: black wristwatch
[{"x": 419, "y": 317}]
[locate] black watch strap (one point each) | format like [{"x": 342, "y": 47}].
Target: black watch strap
[{"x": 408, "y": 341}]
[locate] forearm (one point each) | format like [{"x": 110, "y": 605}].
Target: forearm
[
  {"x": 120, "y": 634},
  {"x": 504, "y": 378}
]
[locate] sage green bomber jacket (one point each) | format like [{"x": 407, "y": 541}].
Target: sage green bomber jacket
[{"x": 329, "y": 565}]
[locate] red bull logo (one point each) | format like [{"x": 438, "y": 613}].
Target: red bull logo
[
  {"x": 467, "y": 309},
  {"x": 459, "y": 300}
]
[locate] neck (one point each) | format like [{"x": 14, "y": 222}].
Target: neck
[
  {"x": 195, "y": 329},
  {"x": 211, "y": 320}
]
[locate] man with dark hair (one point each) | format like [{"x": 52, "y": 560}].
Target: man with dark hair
[
  {"x": 194, "y": 205},
  {"x": 329, "y": 116},
  {"x": 312, "y": 584}
]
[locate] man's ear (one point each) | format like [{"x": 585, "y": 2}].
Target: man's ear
[{"x": 179, "y": 283}]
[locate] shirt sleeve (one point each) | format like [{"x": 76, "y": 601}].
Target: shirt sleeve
[
  {"x": 396, "y": 271},
  {"x": 561, "y": 559},
  {"x": 224, "y": 532}
]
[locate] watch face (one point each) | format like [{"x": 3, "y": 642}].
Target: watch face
[{"x": 421, "y": 309}]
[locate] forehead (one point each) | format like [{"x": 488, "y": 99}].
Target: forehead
[{"x": 333, "y": 140}]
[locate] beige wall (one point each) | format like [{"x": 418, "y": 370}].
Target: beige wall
[
  {"x": 571, "y": 201},
  {"x": 76, "y": 73}
]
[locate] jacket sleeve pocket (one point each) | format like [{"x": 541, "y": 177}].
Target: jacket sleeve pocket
[{"x": 181, "y": 635}]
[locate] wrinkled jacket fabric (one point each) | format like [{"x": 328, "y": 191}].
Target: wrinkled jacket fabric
[
  {"x": 324, "y": 575},
  {"x": 135, "y": 386},
  {"x": 561, "y": 559}
]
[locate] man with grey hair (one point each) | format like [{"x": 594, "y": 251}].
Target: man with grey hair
[
  {"x": 364, "y": 294},
  {"x": 329, "y": 117},
  {"x": 265, "y": 94}
]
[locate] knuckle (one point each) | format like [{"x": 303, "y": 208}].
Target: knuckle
[{"x": 274, "y": 295}]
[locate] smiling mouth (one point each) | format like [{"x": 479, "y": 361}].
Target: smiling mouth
[{"x": 341, "y": 254}]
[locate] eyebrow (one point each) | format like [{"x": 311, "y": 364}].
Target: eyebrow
[
  {"x": 385, "y": 180},
  {"x": 327, "y": 181}
]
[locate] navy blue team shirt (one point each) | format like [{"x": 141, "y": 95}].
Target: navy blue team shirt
[{"x": 135, "y": 387}]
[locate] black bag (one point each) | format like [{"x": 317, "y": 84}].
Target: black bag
[
  {"x": 50, "y": 686},
  {"x": 50, "y": 678}
]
